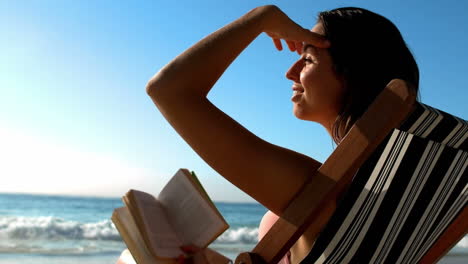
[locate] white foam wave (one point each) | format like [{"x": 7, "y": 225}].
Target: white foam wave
[
  {"x": 242, "y": 235},
  {"x": 54, "y": 228},
  {"x": 50, "y": 250},
  {"x": 463, "y": 243},
  {"x": 15, "y": 229}
]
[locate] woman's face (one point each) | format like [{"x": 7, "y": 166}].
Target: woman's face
[{"x": 317, "y": 90}]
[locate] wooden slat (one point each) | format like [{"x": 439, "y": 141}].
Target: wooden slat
[
  {"x": 316, "y": 202},
  {"x": 454, "y": 233}
]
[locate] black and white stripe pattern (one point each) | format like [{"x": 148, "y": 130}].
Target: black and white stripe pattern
[
  {"x": 433, "y": 210},
  {"x": 403, "y": 197},
  {"x": 439, "y": 126}
]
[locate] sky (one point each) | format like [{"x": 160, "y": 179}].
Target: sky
[{"x": 75, "y": 118}]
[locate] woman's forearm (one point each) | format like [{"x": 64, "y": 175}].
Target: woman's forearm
[{"x": 195, "y": 71}]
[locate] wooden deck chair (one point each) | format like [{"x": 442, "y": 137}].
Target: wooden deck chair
[{"x": 393, "y": 191}]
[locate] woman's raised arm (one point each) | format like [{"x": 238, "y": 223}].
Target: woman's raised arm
[{"x": 269, "y": 173}]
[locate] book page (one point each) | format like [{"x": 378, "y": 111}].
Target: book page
[
  {"x": 133, "y": 239},
  {"x": 203, "y": 192},
  {"x": 189, "y": 212},
  {"x": 152, "y": 221}
]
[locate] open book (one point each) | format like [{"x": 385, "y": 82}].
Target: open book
[{"x": 182, "y": 214}]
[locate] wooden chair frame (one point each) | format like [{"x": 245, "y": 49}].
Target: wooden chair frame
[{"x": 316, "y": 202}]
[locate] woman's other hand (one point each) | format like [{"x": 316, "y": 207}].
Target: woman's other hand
[
  {"x": 190, "y": 251},
  {"x": 278, "y": 26}
]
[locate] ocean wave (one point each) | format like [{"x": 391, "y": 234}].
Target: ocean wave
[
  {"x": 59, "y": 251},
  {"x": 463, "y": 243},
  {"x": 49, "y": 228},
  {"x": 243, "y": 235},
  {"x": 54, "y": 228},
  {"x": 28, "y": 234}
]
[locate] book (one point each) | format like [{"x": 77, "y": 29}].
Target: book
[{"x": 154, "y": 228}]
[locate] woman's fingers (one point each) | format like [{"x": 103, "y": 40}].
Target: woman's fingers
[
  {"x": 277, "y": 43},
  {"x": 316, "y": 40},
  {"x": 291, "y": 45},
  {"x": 306, "y": 36},
  {"x": 312, "y": 38},
  {"x": 299, "y": 47},
  {"x": 190, "y": 249},
  {"x": 279, "y": 26}
]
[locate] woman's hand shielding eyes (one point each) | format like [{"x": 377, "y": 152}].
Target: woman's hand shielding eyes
[{"x": 279, "y": 27}]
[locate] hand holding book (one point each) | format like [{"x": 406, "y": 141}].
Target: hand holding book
[
  {"x": 190, "y": 251},
  {"x": 196, "y": 255},
  {"x": 159, "y": 230}
]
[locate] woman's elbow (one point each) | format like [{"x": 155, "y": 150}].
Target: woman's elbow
[
  {"x": 162, "y": 95},
  {"x": 161, "y": 88},
  {"x": 156, "y": 84},
  {"x": 151, "y": 88},
  {"x": 157, "y": 91}
]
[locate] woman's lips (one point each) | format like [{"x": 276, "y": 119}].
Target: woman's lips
[
  {"x": 297, "y": 93},
  {"x": 297, "y": 88}
]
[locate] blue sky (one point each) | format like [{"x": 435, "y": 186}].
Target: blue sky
[{"x": 75, "y": 118}]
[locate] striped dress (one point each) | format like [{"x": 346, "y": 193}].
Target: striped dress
[{"x": 403, "y": 197}]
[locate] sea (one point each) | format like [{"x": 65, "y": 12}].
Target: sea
[{"x": 39, "y": 229}]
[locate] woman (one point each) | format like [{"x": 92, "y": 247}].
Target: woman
[{"x": 345, "y": 61}]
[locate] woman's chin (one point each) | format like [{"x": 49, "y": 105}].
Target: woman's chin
[
  {"x": 302, "y": 114},
  {"x": 299, "y": 113}
]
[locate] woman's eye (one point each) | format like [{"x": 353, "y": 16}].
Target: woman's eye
[{"x": 307, "y": 60}]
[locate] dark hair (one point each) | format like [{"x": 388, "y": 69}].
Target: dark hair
[{"x": 367, "y": 51}]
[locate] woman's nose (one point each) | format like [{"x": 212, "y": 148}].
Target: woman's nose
[{"x": 294, "y": 72}]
